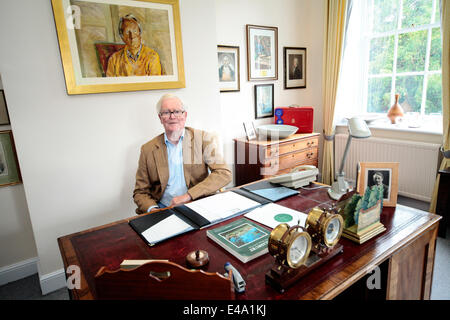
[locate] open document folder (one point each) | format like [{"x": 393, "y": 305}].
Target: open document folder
[
  {"x": 273, "y": 214},
  {"x": 162, "y": 225}
]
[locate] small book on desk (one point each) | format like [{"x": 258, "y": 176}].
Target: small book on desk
[
  {"x": 242, "y": 238},
  {"x": 165, "y": 224},
  {"x": 270, "y": 191}
]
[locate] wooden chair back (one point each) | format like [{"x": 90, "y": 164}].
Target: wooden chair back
[{"x": 160, "y": 281}]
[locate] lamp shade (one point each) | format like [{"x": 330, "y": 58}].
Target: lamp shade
[{"x": 358, "y": 128}]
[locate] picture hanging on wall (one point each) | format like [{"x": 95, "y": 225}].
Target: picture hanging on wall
[
  {"x": 264, "y": 100},
  {"x": 262, "y": 52},
  {"x": 228, "y": 68},
  {"x": 9, "y": 165},
  {"x": 4, "y": 116},
  {"x": 119, "y": 45},
  {"x": 294, "y": 68}
]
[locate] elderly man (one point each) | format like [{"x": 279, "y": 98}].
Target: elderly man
[
  {"x": 173, "y": 167},
  {"x": 134, "y": 59}
]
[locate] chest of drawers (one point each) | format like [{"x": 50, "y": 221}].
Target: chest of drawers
[{"x": 259, "y": 159}]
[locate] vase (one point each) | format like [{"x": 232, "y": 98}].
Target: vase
[{"x": 395, "y": 111}]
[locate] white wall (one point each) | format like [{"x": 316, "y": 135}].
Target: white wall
[
  {"x": 78, "y": 154},
  {"x": 15, "y": 226},
  {"x": 300, "y": 24}
]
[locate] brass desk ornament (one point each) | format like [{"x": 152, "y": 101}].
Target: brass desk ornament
[
  {"x": 292, "y": 246},
  {"x": 197, "y": 259}
]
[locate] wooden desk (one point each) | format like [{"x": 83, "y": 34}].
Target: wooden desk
[{"x": 404, "y": 252}]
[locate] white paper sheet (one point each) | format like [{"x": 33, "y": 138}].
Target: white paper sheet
[
  {"x": 273, "y": 214},
  {"x": 221, "y": 205},
  {"x": 166, "y": 228}
]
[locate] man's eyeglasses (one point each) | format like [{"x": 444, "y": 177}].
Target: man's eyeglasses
[{"x": 176, "y": 113}]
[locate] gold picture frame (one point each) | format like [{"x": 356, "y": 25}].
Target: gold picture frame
[
  {"x": 89, "y": 35},
  {"x": 9, "y": 164},
  {"x": 370, "y": 173}
]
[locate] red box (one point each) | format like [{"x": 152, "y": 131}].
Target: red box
[{"x": 300, "y": 117}]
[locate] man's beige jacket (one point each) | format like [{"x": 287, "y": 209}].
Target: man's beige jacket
[{"x": 200, "y": 153}]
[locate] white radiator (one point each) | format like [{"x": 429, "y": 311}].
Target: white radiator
[{"x": 418, "y": 162}]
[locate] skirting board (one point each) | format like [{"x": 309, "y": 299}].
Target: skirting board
[
  {"x": 53, "y": 281},
  {"x": 18, "y": 271}
]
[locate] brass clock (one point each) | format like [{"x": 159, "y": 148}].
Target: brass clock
[
  {"x": 324, "y": 226},
  {"x": 290, "y": 245}
]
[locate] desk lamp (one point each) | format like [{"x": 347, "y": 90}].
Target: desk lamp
[{"x": 357, "y": 128}]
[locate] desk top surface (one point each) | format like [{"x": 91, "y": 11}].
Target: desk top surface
[{"x": 109, "y": 245}]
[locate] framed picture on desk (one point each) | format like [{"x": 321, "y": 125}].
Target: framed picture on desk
[{"x": 379, "y": 173}]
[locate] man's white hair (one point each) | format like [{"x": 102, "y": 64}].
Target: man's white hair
[{"x": 168, "y": 96}]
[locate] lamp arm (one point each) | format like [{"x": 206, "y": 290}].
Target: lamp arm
[{"x": 347, "y": 147}]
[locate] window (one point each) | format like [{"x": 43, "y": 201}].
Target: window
[{"x": 392, "y": 46}]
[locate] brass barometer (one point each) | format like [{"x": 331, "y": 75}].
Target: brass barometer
[
  {"x": 290, "y": 245},
  {"x": 325, "y": 227},
  {"x": 299, "y": 250}
]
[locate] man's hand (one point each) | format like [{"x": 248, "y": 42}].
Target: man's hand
[{"x": 180, "y": 199}]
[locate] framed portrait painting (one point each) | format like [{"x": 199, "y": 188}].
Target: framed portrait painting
[
  {"x": 4, "y": 116},
  {"x": 294, "y": 68},
  {"x": 9, "y": 165},
  {"x": 262, "y": 52},
  {"x": 228, "y": 68},
  {"x": 119, "y": 45},
  {"x": 264, "y": 100},
  {"x": 379, "y": 173}
]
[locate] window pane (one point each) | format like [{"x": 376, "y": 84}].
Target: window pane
[
  {"x": 411, "y": 51},
  {"x": 434, "y": 94},
  {"x": 384, "y": 15},
  {"x": 379, "y": 94},
  {"x": 381, "y": 55},
  {"x": 436, "y": 50},
  {"x": 416, "y": 12},
  {"x": 410, "y": 90}
]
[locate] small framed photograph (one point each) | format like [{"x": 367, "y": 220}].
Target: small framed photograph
[
  {"x": 250, "y": 131},
  {"x": 264, "y": 101},
  {"x": 4, "y": 116},
  {"x": 9, "y": 165},
  {"x": 294, "y": 68},
  {"x": 228, "y": 67},
  {"x": 379, "y": 173},
  {"x": 262, "y": 52}
]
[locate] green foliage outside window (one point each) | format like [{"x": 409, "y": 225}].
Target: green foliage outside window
[{"x": 411, "y": 56}]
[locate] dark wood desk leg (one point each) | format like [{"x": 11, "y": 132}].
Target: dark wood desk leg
[{"x": 443, "y": 201}]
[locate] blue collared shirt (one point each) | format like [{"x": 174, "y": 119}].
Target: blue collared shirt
[{"x": 176, "y": 186}]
